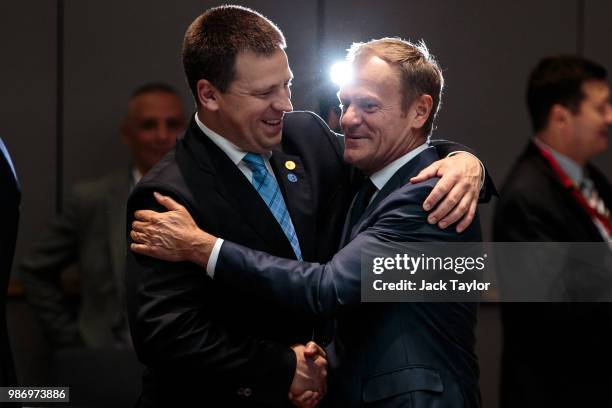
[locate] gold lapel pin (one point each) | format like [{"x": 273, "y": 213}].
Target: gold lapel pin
[{"x": 290, "y": 165}]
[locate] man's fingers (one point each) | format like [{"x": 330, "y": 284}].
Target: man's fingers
[
  {"x": 458, "y": 212},
  {"x": 440, "y": 190},
  {"x": 427, "y": 173},
  {"x": 141, "y": 249},
  {"x": 469, "y": 217},
  {"x": 145, "y": 215},
  {"x": 139, "y": 226},
  {"x": 167, "y": 202},
  {"x": 313, "y": 350},
  {"x": 306, "y": 399}
]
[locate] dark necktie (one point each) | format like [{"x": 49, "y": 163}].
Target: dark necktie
[{"x": 364, "y": 195}]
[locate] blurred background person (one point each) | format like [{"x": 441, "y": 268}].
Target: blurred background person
[
  {"x": 84, "y": 319},
  {"x": 329, "y": 109},
  {"x": 9, "y": 219},
  {"x": 559, "y": 355}
]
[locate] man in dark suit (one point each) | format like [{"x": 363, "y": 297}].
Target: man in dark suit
[
  {"x": 559, "y": 354},
  {"x": 390, "y": 354},
  {"x": 9, "y": 219}
]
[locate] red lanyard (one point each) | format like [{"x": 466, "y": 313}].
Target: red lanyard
[{"x": 569, "y": 184}]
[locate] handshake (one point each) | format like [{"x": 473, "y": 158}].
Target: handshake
[{"x": 309, "y": 383}]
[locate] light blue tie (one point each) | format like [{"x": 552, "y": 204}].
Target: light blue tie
[{"x": 268, "y": 189}]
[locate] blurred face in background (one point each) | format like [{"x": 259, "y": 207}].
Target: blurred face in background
[
  {"x": 589, "y": 127},
  {"x": 154, "y": 121}
]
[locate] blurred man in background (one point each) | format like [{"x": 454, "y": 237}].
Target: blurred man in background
[
  {"x": 558, "y": 355},
  {"x": 90, "y": 233}
]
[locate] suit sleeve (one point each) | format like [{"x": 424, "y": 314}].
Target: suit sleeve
[
  {"x": 322, "y": 290},
  {"x": 41, "y": 270},
  {"x": 175, "y": 328},
  {"x": 445, "y": 147}
]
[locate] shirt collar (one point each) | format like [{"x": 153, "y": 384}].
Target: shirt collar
[
  {"x": 136, "y": 175},
  {"x": 574, "y": 171},
  {"x": 382, "y": 176},
  {"x": 235, "y": 153}
]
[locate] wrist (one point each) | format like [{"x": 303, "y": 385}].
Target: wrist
[{"x": 202, "y": 247}]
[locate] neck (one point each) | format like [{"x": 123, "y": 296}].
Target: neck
[
  {"x": 212, "y": 121},
  {"x": 401, "y": 151},
  {"x": 561, "y": 143}
]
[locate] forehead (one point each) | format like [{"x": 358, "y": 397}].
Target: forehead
[
  {"x": 156, "y": 103},
  {"x": 373, "y": 76},
  {"x": 259, "y": 70}
]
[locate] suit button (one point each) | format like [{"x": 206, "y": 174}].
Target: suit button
[{"x": 248, "y": 392}]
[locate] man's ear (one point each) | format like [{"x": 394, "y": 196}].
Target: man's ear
[
  {"x": 559, "y": 116},
  {"x": 422, "y": 109},
  {"x": 208, "y": 95}
]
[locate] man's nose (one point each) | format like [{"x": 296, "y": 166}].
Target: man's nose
[
  {"x": 609, "y": 115},
  {"x": 283, "y": 102},
  {"x": 350, "y": 118},
  {"x": 163, "y": 133}
]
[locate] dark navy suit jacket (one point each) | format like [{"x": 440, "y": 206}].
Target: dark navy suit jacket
[
  {"x": 9, "y": 219},
  {"x": 390, "y": 354}
]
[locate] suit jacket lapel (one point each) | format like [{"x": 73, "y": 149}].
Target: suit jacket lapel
[
  {"x": 585, "y": 218},
  {"x": 231, "y": 184},
  {"x": 298, "y": 198}
]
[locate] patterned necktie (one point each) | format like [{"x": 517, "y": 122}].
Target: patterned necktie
[
  {"x": 587, "y": 187},
  {"x": 268, "y": 189}
]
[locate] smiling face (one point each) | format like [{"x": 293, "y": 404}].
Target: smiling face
[
  {"x": 377, "y": 129},
  {"x": 250, "y": 113},
  {"x": 154, "y": 121},
  {"x": 589, "y": 127}
]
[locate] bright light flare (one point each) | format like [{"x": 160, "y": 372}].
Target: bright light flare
[{"x": 341, "y": 73}]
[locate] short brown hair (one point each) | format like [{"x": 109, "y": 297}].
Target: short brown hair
[
  {"x": 214, "y": 39},
  {"x": 558, "y": 80},
  {"x": 419, "y": 72}
]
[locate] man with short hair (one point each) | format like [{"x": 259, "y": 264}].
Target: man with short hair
[
  {"x": 559, "y": 354},
  {"x": 88, "y": 233},
  {"x": 391, "y": 354}
]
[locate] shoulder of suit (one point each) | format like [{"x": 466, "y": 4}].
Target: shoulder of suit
[
  {"x": 99, "y": 187},
  {"x": 529, "y": 180},
  {"x": 408, "y": 195},
  {"x": 414, "y": 193},
  {"x": 303, "y": 124},
  {"x": 166, "y": 178},
  {"x": 306, "y": 131}
]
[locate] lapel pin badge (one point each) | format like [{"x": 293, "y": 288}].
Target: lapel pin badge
[
  {"x": 290, "y": 164},
  {"x": 292, "y": 177}
]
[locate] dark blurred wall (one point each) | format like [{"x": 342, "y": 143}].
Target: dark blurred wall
[{"x": 486, "y": 49}]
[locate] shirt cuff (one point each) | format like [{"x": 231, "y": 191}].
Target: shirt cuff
[
  {"x": 212, "y": 260},
  {"x": 482, "y": 177}
]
